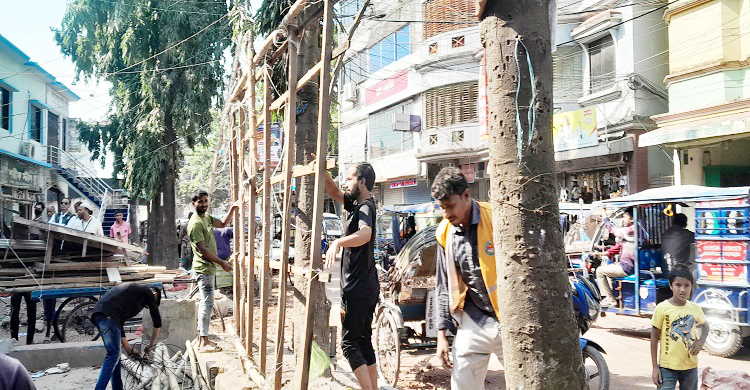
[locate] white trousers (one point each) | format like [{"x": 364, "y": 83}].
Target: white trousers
[{"x": 472, "y": 347}]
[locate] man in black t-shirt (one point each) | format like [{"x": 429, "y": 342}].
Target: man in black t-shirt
[{"x": 359, "y": 278}]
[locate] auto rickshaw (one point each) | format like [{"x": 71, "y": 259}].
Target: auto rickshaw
[{"x": 721, "y": 218}]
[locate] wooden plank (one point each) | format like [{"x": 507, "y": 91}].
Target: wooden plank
[
  {"x": 289, "y": 159},
  {"x": 300, "y": 84},
  {"x": 323, "y": 277},
  {"x": 264, "y": 290},
  {"x": 242, "y": 220},
  {"x": 13, "y": 271},
  {"x": 78, "y": 236},
  {"x": 316, "y": 262},
  {"x": 20, "y": 282},
  {"x": 303, "y": 170},
  {"x": 78, "y": 266}
]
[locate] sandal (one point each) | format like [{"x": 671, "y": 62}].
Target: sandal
[{"x": 209, "y": 349}]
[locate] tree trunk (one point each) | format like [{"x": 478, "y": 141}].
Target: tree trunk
[
  {"x": 166, "y": 251},
  {"x": 307, "y": 123},
  {"x": 133, "y": 218},
  {"x": 151, "y": 227},
  {"x": 540, "y": 338}
]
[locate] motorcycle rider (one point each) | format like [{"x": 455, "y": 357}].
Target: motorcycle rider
[{"x": 466, "y": 282}]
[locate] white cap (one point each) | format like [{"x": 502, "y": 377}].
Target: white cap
[{"x": 86, "y": 205}]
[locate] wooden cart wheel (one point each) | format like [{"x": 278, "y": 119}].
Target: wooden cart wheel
[
  {"x": 77, "y": 325},
  {"x": 63, "y": 310},
  {"x": 387, "y": 347}
]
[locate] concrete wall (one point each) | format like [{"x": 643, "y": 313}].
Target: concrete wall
[
  {"x": 179, "y": 320},
  {"x": 37, "y": 357},
  {"x": 732, "y": 153}
]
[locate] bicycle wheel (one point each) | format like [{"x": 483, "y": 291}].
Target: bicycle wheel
[
  {"x": 77, "y": 325},
  {"x": 387, "y": 347},
  {"x": 64, "y": 309}
]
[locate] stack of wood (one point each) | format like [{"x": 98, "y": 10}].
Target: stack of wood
[{"x": 58, "y": 258}]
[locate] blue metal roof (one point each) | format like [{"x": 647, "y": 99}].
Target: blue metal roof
[
  {"x": 27, "y": 62},
  {"x": 24, "y": 158}
]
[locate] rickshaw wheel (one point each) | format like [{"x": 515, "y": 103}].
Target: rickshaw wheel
[
  {"x": 388, "y": 347},
  {"x": 724, "y": 340},
  {"x": 77, "y": 326},
  {"x": 63, "y": 310}
]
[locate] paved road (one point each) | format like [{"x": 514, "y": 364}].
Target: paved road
[{"x": 625, "y": 339}]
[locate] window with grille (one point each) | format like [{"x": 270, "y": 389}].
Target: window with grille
[
  {"x": 457, "y": 41},
  {"x": 346, "y": 10},
  {"x": 448, "y": 15},
  {"x": 602, "y": 60},
  {"x": 391, "y": 48},
  {"x": 35, "y": 128},
  {"x": 567, "y": 71},
  {"x": 433, "y": 48},
  {"x": 5, "y": 95},
  {"x": 355, "y": 69},
  {"x": 458, "y": 136},
  {"x": 451, "y": 104},
  {"x": 433, "y": 140},
  {"x": 383, "y": 140}
]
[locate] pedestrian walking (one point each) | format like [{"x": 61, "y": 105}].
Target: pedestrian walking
[
  {"x": 122, "y": 302},
  {"x": 359, "y": 278},
  {"x": 674, "y": 342},
  {"x": 466, "y": 282},
  {"x": 205, "y": 259}
]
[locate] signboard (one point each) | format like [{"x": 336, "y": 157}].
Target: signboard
[
  {"x": 668, "y": 134},
  {"x": 387, "y": 87},
  {"x": 403, "y": 183},
  {"x": 722, "y": 251},
  {"x": 406, "y": 122},
  {"x": 18, "y": 173},
  {"x": 482, "y": 102},
  {"x": 723, "y": 203},
  {"x": 276, "y": 141},
  {"x": 469, "y": 171},
  {"x": 575, "y": 129}
]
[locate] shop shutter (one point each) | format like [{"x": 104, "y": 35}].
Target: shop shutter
[
  {"x": 451, "y": 104},
  {"x": 448, "y": 11},
  {"x": 417, "y": 194},
  {"x": 392, "y": 196}
]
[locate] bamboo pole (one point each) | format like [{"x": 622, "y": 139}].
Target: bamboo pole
[
  {"x": 253, "y": 153},
  {"x": 316, "y": 262},
  {"x": 289, "y": 160},
  {"x": 266, "y": 216}
]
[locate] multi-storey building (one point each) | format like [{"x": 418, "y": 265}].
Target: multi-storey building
[
  {"x": 410, "y": 88},
  {"x": 41, "y": 158},
  {"x": 708, "y": 123}
]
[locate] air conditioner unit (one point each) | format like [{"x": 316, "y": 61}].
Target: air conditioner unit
[
  {"x": 350, "y": 92},
  {"x": 28, "y": 149}
]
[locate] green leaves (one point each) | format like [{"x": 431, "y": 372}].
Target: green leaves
[{"x": 164, "y": 60}]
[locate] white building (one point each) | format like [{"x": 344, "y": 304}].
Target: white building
[
  {"x": 41, "y": 158},
  {"x": 419, "y": 61}
]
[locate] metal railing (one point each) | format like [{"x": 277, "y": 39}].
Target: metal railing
[{"x": 82, "y": 174}]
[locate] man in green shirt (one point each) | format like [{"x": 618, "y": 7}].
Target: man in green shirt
[{"x": 201, "y": 233}]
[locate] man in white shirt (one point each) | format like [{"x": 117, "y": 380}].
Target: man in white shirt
[{"x": 85, "y": 221}]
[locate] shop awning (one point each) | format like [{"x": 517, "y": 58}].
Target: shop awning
[
  {"x": 679, "y": 194},
  {"x": 733, "y": 125},
  {"x": 24, "y": 158},
  {"x": 621, "y": 145}
]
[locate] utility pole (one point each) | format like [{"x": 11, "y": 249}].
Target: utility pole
[{"x": 540, "y": 337}]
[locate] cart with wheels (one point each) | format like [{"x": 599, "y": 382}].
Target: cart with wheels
[{"x": 404, "y": 315}]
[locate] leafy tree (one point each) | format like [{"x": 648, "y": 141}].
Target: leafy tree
[
  {"x": 195, "y": 170},
  {"x": 164, "y": 60}
]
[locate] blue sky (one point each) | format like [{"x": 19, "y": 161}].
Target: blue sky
[{"x": 27, "y": 24}]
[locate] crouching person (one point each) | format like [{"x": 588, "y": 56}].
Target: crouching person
[
  {"x": 110, "y": 313},
  {"x": 466, "y": 282}
]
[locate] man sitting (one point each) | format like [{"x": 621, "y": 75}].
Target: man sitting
[
  {"x": 626, "y": 266},
  {"x": 676, "y": 243}
]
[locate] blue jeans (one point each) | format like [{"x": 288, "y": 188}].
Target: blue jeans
[
  {"x": 206, "y": 286},
  {"x": 688, "y": 379},
  {"x": 111, "y": 368}
]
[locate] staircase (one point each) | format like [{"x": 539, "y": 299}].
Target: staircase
[{"x": 108, "y": 200}]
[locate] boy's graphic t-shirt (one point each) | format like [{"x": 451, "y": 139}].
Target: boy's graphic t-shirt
[{"x": 678, "y": 333}]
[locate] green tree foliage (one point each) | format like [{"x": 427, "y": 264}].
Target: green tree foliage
[
  {"x": 164, "y": 60},
  {"x": 195, "y": 171}
]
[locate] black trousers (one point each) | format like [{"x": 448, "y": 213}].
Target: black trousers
[
  {"x": 15, "y": 311},
  {"x": 356, "y": 332}
]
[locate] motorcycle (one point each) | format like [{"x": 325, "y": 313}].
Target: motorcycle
[{"x": 586, "y": 298}]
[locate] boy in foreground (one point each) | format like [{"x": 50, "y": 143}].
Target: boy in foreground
[{"x": 674, "y": 326}]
